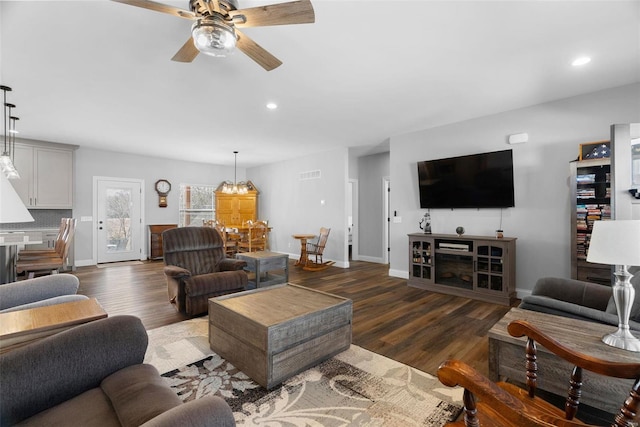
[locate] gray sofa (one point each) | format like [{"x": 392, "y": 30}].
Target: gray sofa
[
  {"x": 39, "y": 292},
  {"x": 581, "y": 300},
  {"x": 94, "y": 375}
]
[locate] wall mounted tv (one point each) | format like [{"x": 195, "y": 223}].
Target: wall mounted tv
[{"x": 476, "y": 181}]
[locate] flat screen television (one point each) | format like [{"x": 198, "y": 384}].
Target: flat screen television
[{"x": 476, "y": 181}]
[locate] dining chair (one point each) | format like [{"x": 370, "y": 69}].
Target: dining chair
[
  {"x": 57, "y": 248},
  {"x": 255, "y": 239},
  {"x": 48, "y": 264}
]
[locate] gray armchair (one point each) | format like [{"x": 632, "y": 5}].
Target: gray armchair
[
  {"x": 39, "y": 292},
  {"x": 94, "y": 375},
  {"x": 196, "y": 268},
  {"x": 581, "y": 300}
]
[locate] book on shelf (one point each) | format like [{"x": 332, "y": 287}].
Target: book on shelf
[{"x": 588, "y": 178}]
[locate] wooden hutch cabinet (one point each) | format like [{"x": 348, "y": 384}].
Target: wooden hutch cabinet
[
  {"x": 477, "y": 267},
  {"x": 234, "y": 209}
]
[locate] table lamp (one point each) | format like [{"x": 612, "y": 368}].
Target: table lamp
[
  {"x": 618, "y": 243},
  {"x": 11, "y": 207}
]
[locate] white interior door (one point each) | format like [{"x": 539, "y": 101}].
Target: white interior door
[
  {"x": 118, "y": 219},
  {"x": 386, "y": 218}
]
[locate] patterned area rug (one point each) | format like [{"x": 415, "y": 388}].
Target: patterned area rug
[{"x": 356, "y": 387}]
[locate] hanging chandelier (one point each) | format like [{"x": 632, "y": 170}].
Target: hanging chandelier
[
  {"x": 8, "y": 151},
  {"x": 235, "y": 187}
]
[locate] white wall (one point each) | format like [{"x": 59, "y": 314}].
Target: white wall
[
  {"x": 91, "y": 162},
  {"x": 541, "y": 218},
  {"x": 293, "y": 206}
]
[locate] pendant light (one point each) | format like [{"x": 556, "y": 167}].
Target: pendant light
[
  {"x": 6, "y": 160},
  {"x": 235, "y": 187}
]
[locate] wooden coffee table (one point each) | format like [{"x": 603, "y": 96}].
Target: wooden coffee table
[
  {"x": 507, "y": 357},
  {"x": 18, "y": 328},
  {"x": 273, "y": 333}
]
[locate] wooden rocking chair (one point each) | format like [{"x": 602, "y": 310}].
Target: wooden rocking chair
[
  {"x": 316, "y": 249},
  {"x": 505, "y": 404}
]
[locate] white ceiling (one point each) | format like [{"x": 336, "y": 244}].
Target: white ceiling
[{"x": 98, "y": 73}]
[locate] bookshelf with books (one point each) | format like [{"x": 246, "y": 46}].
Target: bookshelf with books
[{"x": 591, "y": 201}]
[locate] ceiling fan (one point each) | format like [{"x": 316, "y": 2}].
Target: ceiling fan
[{"x": 215, "y": 30}]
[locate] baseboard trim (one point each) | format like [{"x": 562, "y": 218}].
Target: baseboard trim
[
  {"x": 84, "y": 262},
  {"x": 521, "y": 293},
  {"x": 377, "y": 260},
  {"x": 399, "y": 273}
]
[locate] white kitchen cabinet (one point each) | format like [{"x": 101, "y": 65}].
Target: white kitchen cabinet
[{"x": 46, "y": 176}]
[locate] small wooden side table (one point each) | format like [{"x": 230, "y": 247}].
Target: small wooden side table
[
  {"x": 262, "y": 264},
  {"x": 303, "y": 247},
  {"x": 18, "y": 328},
  {"x": 155, "y": 239},
  {"x": 507, "y": 357}
]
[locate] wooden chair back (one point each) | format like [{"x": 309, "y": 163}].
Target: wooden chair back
[
  {"x": 256, "y": 237},
  {"x": 67, "y": 240},
  {"x": 505, "y": 404},
  {"x": 322, "y": 239},
  {"x": 230, "y": 244},
  {"x": 50, "y": 264}
]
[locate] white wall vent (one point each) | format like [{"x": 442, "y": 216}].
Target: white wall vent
[{"x": 305, "y": 176}]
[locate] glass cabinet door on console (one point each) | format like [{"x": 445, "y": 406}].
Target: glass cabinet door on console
[
  {"x": 490, "y": 267},
  {"x": 421, "y": 259}
]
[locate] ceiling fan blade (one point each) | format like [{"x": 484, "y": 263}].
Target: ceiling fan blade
[
  {"x": 256, "y": 52},
  {"x": 159, "y": 7},
  {"x": 295, "y": 12},
  {"x": 187, "y": 52}
]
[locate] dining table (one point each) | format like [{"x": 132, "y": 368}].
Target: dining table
[
  {"x": 304, "y": 259},
  {"x": 9, "y": 243}
]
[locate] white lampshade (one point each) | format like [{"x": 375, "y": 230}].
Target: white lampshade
[
  {"x": 11, "y": 207},
  {"x": 615, "y": 242}
]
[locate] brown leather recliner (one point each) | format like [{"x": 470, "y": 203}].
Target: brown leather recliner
[{"x": 196, "y": 268}]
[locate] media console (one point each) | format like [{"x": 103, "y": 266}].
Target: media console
[{"x": 478, "y": 267}]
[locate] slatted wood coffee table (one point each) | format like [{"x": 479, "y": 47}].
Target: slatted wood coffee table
[
  {"x": 273, "y": 333},
  {"x": 18, "y": 328}
]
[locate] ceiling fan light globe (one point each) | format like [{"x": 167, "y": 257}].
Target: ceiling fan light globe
[{"x": 213, "y": 38}]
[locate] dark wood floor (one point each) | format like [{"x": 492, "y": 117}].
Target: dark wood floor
[{"x": 412, "y": 326}]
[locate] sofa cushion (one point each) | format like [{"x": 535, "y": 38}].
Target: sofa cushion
[
  {"x": 47, "y": 302},
  {"x": 91, "y": 408},
  {"x": 573, "y": 291},
  {"x": 38, "y": 289},
  {"x": 216, "y": 283},
  {"x": 635, "y": 308},
  {"x": 58, "y": 368},
  {"x": 138, "y": 393}
]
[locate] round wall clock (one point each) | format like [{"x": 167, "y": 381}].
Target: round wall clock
[{"x": 163, "y": 187}]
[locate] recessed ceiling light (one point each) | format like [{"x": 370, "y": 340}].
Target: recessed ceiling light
[
  {"x": 583, "y": 60},
  {"x": 272, "y": 106}
]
